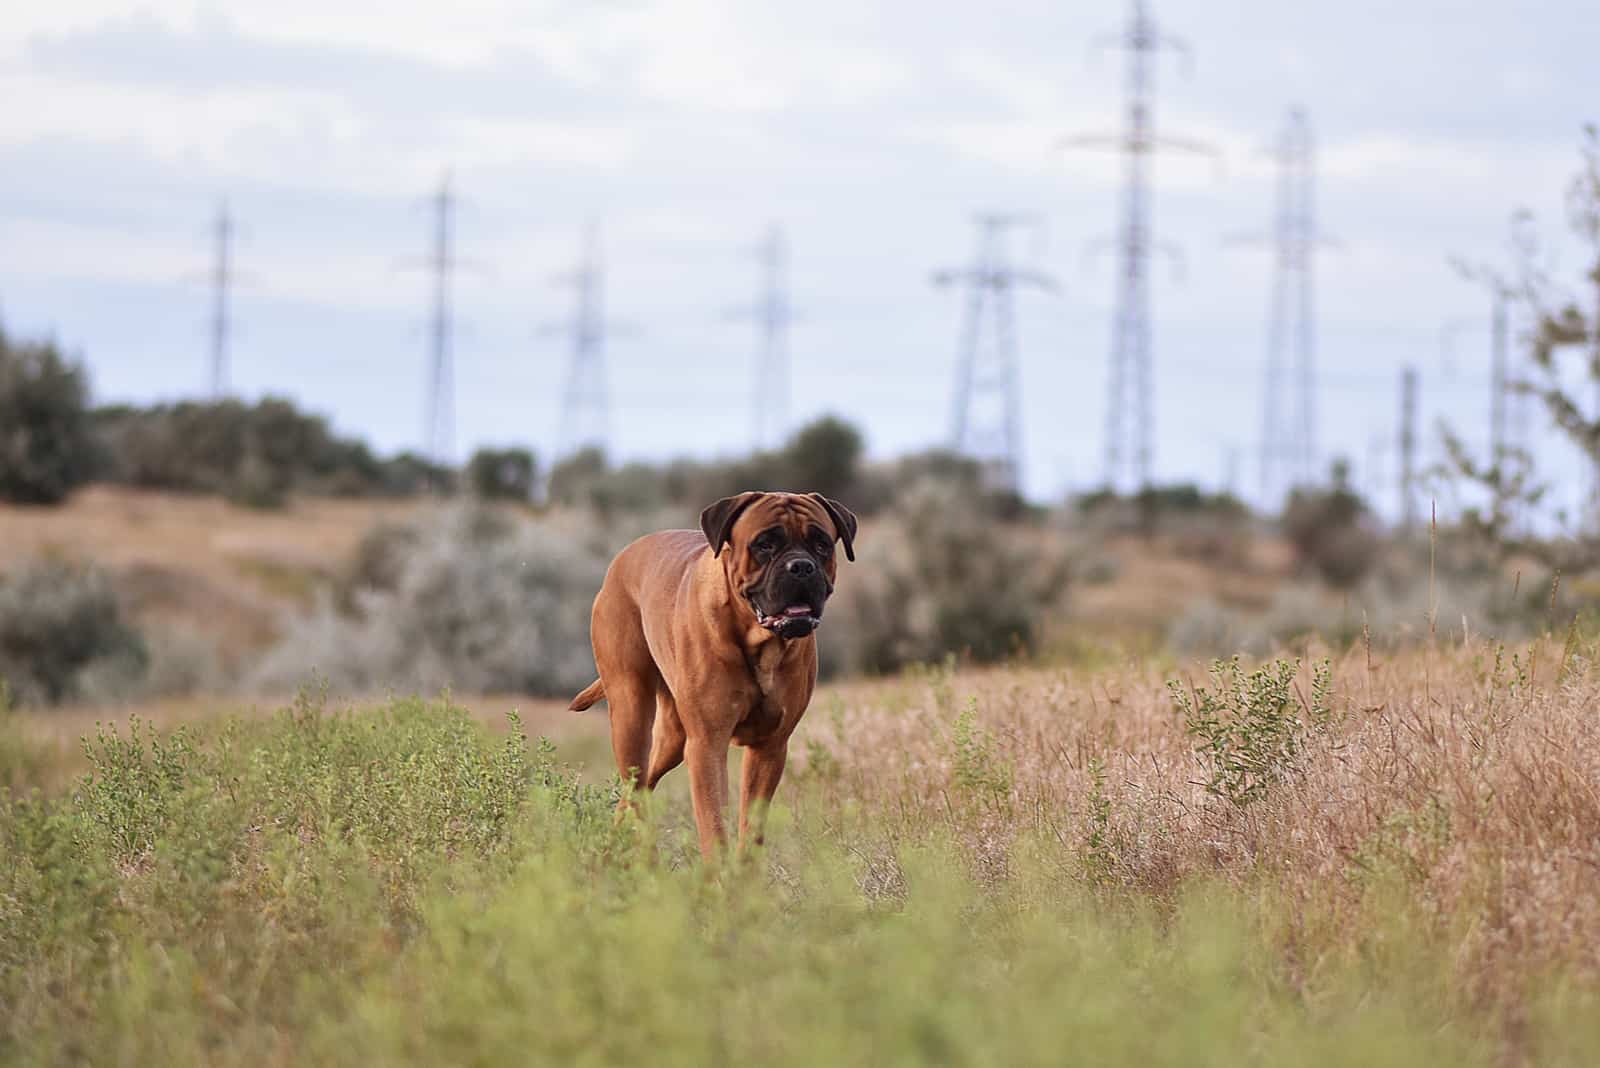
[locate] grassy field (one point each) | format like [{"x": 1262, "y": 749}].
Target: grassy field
[{"x": 1389, "y": 862}]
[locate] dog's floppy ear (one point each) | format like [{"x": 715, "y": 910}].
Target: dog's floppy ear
[
  {"x": 844, "y": 521},
  {"x": 717, "y": 521}
]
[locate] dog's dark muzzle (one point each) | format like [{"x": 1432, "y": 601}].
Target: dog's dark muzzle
[{"x": 789, "y": 602}]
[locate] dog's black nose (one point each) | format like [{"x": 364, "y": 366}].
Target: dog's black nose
[{"x": 800, "y": 567}]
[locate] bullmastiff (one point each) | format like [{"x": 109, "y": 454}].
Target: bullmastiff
[{"x": 706, "y": 638}]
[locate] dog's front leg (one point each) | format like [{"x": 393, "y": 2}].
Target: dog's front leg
[
  {"x": 763, "y": 767},
  {"x": 706, "y": 754}
]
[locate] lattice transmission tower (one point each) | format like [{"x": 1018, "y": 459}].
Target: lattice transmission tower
[
  {"x": 986, "y": 416},
  {"x": 1509, "y": 407},
  {"x": 772, "y": 313},
  {"x": 1289, "y": 394},
  {"x": 1130, "y": 410},
  {"x": 1408, "y": 448},
  {"x": 586, "y": 411},
  {"x": 438, "y": 413},
  {"x": 221, "y": 282}
]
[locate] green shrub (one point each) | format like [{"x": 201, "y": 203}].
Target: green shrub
[
  {"x": 1250, "y": 728},
  {"x": 978, "y": 771},
  {"x": 46, "y": 447},
  {"x": 937, "y": 577},
  {"x": 1332, "y": 531},
  {"x": 128, "y": 795},
  {"x": 61, "y": 626},
  {"x": 21, "y": 760},
  {"x": 474, "y": 598},
  {"x": 501, "y": 474}
]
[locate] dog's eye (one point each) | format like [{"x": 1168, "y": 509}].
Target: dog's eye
[
  {"x": 763, "y": 545},
  {"x": 822, "y": 546}
]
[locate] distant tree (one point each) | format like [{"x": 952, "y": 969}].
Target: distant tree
[
  {"x": 254, "y": 454},
  {"x": 47, "y": 448},
  {"x": 1158, "y": 507},
  {"x": 501, "y": 474},
  {"x": 1332, "y": 530},
  {"x": 1567, "y": 324},
  {"x": 572, "y": 478},
  {"x": 408, "y": 474},
  {"x": 1563, "y": 323},
  {"x": 822, "y": 457}
]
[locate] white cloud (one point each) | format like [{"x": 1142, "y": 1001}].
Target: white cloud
[{"x": 872, "y": 129}]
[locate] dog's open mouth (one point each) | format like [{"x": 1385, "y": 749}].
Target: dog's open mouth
[
  {"x": 793, "y": 612},
  {"x": 795, "y": 621}
]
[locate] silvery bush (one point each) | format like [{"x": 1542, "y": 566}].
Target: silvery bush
[{"x": 470, "y": 598}]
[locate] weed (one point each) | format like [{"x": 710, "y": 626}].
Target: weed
[
  {"x": 977, "y": 770},
  {"x": 129, "y": 791},
  {"x": 1251, "y": 731},
  {"x": 1099, "y": 857}
]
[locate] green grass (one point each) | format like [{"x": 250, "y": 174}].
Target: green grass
[{"x": 403, "y": 886}]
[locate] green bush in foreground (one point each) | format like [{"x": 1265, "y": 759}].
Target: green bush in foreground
[{"x": 404, "y": 887}]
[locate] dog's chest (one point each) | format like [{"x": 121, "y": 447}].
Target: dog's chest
[
  {"x": 766, "y": 709},
  {"x": 768, "y": 665}
]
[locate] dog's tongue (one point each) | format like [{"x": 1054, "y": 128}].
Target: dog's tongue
[{"x": 797, "y": 610}]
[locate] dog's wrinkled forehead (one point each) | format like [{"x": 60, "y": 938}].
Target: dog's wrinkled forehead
[
  {"x": 736, "y": 520},
  {"x": 793, "y": 512}
]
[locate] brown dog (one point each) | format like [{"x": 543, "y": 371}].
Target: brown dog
[{"x": 704, "y": 638}]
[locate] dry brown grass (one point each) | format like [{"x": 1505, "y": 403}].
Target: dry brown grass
[
  {"x": 1154, "y": 581},
  {"x": 1456, "y": 783},
  {"x": 122, "y": 528},
  {"x": 198, "y": 562}
]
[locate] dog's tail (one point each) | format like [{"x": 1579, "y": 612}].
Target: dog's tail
[{"x": 589, "y": 696}]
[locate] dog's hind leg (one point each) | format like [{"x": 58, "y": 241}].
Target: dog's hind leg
[
  {"x": 666, "y": 748},
  {"x": 632, "y": 699}
]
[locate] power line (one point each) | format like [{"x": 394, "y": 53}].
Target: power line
[
  {"x": 1130, "y": 412},
  {"x": 986, "y": 420},
  {"x": 221, "y": 281},
  {"x": 769, "y": 398},
  {"x": 585, "y": 416}
]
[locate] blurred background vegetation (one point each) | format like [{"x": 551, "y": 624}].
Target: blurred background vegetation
[{"x": 243, "y": 547}]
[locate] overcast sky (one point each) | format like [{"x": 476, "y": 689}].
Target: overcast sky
[{"x": 871, "y": 131}]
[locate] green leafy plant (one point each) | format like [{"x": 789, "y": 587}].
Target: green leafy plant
[
  {"x": 129, "y": 790},
  {"x": 1252, "y": 727},
  {"x": 1099, "y": 854},
  {"x": 978, "y": 771}
]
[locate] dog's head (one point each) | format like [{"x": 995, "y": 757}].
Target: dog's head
[{"x": 777, "y": 551}]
